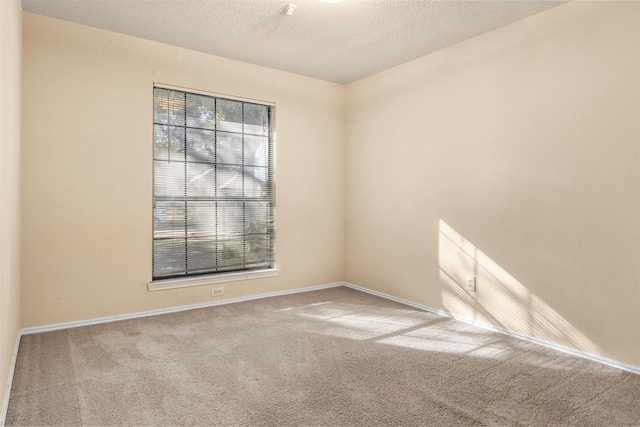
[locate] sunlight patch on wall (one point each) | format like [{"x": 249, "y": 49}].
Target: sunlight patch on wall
[{"x": 500, "y": 299}]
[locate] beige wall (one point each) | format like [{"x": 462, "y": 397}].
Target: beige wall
[
  {"x": 512, "y": 156},
  {"x": 87, "y": 170},
  {"x": 10, "y": 53}
]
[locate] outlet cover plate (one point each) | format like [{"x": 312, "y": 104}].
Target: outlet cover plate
[{"x": 471, "y": 284}]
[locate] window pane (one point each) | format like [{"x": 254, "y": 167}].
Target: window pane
[
  {"x": 229, "y": 180},
  {"x": 230, "y": 252},
  {"x": 256, "y": 119},
  {"x": 257, "y": 246},
  {"x": 202, "y": 254},
  {"x": 201, "y": 180},
  {"x": 229, "y": 115},
  {"x": 201, "y": 145},
  {"x": 169, "y": 178},
  {"x": 257, "y": 217},
  {"x": 169, "y": 257},
  {"x": 230, "y": 219},
  {"x": 168, "y": 142},
  {"x": 229, "y": 148},
  {"x": 255, "y": 150},
  {"x": 201, "y": 111},
  {"x": 255, "y": 182},
  {"x": 201, "y": 219},
  {"x": 168, "y": 220},
  {"x": 168, "y": 107}
]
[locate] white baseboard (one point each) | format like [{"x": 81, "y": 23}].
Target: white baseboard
[
  {"x": 114, "y": 318},
  {"x": 12, "y": 369},
  {"x": 565, "y": 349}
]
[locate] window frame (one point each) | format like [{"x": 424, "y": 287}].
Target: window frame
[{"x": 226, "y": 274}]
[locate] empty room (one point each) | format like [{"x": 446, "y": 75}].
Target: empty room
[{"x": 319, "y": 212}]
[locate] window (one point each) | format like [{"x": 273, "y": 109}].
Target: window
[{"x": 212, "y": 185}]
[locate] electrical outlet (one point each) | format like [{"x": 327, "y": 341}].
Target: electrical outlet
[
  {"x": 217, "y": 292},
  {"x": 471, "y": 284}
]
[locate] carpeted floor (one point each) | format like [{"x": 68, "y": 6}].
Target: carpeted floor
[{"x": 336, "y": 357}]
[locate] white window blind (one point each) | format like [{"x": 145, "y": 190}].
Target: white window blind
[{"x": 212, "y": 189}]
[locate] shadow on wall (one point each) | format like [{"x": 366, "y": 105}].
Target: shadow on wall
[{"x": 500, "y": 300}]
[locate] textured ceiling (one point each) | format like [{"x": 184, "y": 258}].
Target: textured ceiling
[{"x": 339, "y": 42}]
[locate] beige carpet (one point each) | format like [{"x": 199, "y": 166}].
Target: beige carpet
[{"x": 336, "y": 357}]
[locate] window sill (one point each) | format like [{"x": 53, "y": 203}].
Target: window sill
[{"x": 160, "y": 285}]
